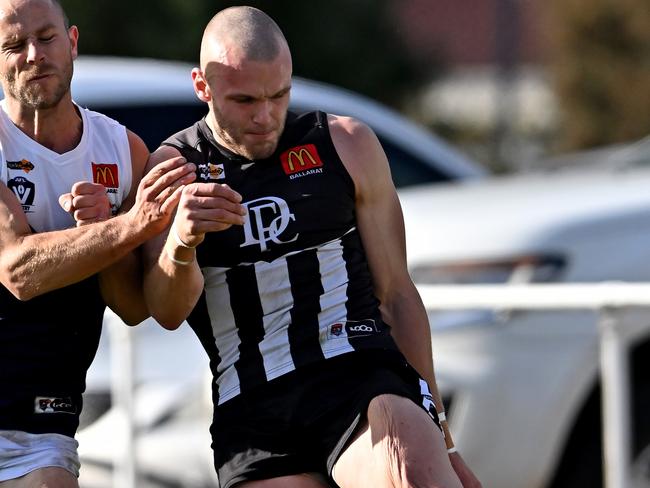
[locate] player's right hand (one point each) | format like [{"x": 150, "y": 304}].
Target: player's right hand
[{"x": 207, "y": 207}]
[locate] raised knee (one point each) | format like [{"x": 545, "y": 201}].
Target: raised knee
[
  {"x": 405, "y": 439},
  {"x": 386, "y": 408},
  {"x": 392, "y": 415}
]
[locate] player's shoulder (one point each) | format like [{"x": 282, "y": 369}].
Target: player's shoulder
[
  {"x": 349, "y": 128},
  {"x": 349, "y": 132},
  {"x": 95, "y": 117},
  {"x": 190, "y": 137}
]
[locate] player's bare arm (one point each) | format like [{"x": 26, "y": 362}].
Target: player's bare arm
[
  {"x": 173, "y": 281},
  {"x": 382, "y": 230},
  {"x": 35, "y": 263},
  {"x": 121, "y": 283},
  {"x": 381, "y": 226}
]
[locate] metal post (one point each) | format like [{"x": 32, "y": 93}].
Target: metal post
[
  {"x": 614, "y": 370},
  {"x": 122, "y": 384},
  {"x": 506, "y": 35}
]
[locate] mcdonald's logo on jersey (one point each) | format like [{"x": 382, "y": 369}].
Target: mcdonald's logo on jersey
[
  {"x": 106, "y": 174},
  {"x": 300, "y": 158}
]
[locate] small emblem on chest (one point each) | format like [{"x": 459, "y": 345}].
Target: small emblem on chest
[
  {"x": 301, "y": 161},
  {"x": 268, "y": 219},
  {"x": 211, "y": 172},
  {"x": 106, "y": 175},
  {"x": 24, "y": 190},
  {"x": 23, "y": 164}
]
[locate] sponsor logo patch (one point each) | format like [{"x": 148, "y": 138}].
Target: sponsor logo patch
[
  {"x": 54, "y": 405},
  {"x": 24, "y": 191},
  {"x": 23, "y": 165},
  {"x": 106, "y": 174},
  {"x": 353, "y": 328},
  {"x": 356, "y": 328},
  {"x": 211, "y": 172},
  {"x": 301, "y": 161},
  {"x": 336, "y": 329}
]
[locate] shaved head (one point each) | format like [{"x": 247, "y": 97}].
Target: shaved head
[
  {"x": 245, "y": 78},
  {"x": 241, "y": 33}
]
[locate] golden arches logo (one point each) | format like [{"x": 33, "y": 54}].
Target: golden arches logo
[
  {"x": 300, "y": 158},
  {"x": 106, "y": 174}
]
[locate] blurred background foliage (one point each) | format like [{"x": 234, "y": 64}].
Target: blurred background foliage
[
  {"x": 351, "y": 44},
  {"x": 593, "y": 56},
  {"x": 600, "y": 57}
]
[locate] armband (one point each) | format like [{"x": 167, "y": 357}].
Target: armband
[{"x": 177, "y": 261}]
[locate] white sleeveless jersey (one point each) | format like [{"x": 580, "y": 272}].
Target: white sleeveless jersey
[{"x": 38, "y": 175}]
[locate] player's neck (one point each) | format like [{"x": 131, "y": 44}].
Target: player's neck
[
  {"x": 58, "y": 128},
  {"x": 214, "y": 128}
]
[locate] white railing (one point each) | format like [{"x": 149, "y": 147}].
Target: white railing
[
  {"x": 122, "y": 399},
  {"x": 606, "y": 298}
]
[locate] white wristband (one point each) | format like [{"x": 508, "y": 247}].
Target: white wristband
[
  {"x": 442, "y": 417},
  {"x": 178, "y": 239},
  {"x": 177, "y": 261}
]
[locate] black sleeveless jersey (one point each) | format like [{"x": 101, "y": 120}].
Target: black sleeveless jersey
[
  {"x": 46, "y": 346},
  {"x": 291, "y": 286}
]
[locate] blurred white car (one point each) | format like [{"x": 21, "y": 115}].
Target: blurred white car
[
  {"x": 173, "y": 411},
  {"x": 522, "y": 388}
]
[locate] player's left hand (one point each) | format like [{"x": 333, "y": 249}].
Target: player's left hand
[
  {"x": 463, "y": 472},
  {"x": 87, "y": 202}
]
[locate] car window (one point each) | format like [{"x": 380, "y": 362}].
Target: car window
[{"x": 407, "y": 169}]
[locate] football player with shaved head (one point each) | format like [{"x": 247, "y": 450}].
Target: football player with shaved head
[{"x": 318, "y": 340}]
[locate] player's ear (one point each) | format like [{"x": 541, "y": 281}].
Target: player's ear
[
  {"x": 201, "y": 87},
  {"x": 73, "y": 35}
]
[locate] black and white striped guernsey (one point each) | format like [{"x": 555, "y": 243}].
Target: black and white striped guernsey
[{"x": 292, "y": 286}]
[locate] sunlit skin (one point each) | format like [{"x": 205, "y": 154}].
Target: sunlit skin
[
  {"x": 36, "y": 65},
  {"x": 248, "y": 100}
]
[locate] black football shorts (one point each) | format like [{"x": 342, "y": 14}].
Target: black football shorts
[{"x": 300, "y": 422}]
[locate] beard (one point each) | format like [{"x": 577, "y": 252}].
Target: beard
[
  {"x": 232, "y": 137},
  {"x": 36, "y": 96}
]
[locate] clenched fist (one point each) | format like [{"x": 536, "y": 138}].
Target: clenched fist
[{"x": 87, "y": 203}]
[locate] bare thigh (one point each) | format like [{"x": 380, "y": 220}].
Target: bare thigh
[
  {"x": 294, "y": 481},
  {"x": 44, "y": 478},
  {"x": 398, "y": 446}
]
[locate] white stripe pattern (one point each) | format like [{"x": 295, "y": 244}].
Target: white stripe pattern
[
  {"x": 273, "y": 279},
  {"x": 224, "y": 331},
  {"x": 334, "y": 278},
  {"x": 276, "y": 300}
]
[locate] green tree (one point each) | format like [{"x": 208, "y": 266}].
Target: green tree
[
  {"x": 601, "y": 61},
  {"x": 166, "y": 29},
  {"x": 352, "y": 44}
]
